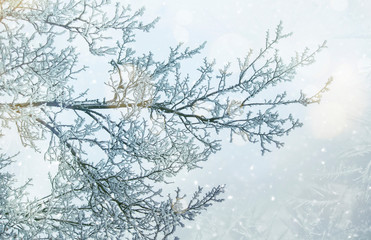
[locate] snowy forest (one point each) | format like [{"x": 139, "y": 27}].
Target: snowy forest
[{"x": 185, "y": 119}]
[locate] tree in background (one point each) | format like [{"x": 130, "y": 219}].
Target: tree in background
[
  {"x": 336, "y": 203},
  {"x": 114, "y": 152}
]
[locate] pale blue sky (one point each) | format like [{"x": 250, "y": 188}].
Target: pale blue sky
[{"x": 231, "y": 28}]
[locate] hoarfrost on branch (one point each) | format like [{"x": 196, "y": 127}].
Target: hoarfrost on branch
[{"x": 148, "y": 130}]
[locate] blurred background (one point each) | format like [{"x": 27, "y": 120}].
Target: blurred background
[{"x": 318, "y": 185}]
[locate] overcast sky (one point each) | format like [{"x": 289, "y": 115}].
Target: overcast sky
[{"x": 231, "y": 28}]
